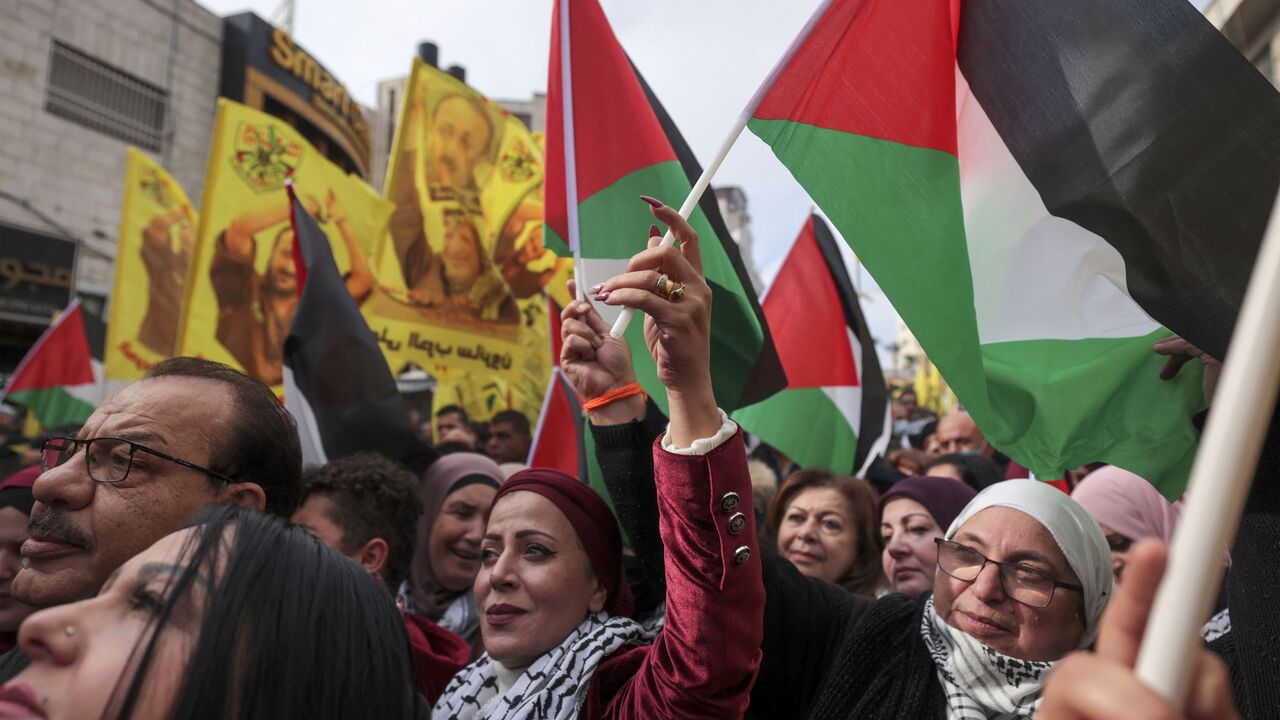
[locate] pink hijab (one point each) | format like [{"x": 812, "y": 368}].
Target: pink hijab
[{"x": 1126, "y": 504}]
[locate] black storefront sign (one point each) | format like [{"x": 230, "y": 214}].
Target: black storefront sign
[{"x": 36, "y": 273}]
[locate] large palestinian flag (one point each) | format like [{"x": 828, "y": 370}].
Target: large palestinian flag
[
  {"x": 1041, "y": 194},
  {"x": 834, "y": 412},
  {"x": 615, "y": 144},
  {"x": 60, "y": 379}
]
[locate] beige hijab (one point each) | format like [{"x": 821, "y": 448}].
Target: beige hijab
[{"x": 442, "y": 478}]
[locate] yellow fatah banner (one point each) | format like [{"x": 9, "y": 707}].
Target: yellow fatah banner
[
  {"x": 462, "y": 271},
  {"x": 243, "y": 292},
  {"x": 157, "y": 236}
]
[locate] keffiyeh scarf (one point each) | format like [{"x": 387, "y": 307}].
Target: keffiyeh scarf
[
  {"x": 980, "y": 683},
  {"x": 553, "y": 688}
]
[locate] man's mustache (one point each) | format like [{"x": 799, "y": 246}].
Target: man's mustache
[{"x": 55, "y": 525}]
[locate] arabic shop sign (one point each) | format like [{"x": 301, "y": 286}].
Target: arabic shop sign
[{"x": 35, "y": 274}]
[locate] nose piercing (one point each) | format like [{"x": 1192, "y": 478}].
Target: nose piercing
[{"x": 69, "y": 630}]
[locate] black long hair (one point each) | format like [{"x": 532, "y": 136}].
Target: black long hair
[{"x": 291, "y": 629}]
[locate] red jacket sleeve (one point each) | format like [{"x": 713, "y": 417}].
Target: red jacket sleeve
[{"x": 704, "y": 661}]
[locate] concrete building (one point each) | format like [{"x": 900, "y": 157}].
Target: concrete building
[
  {"x": 733, "y": 208},
  {"x": 81, "y": 82},
  {"x": 1253, "y": 26}
]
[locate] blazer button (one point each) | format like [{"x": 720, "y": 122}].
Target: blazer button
[
  {"x": 736, "y": 523},
  {"x": 729, "y": 502},
  {"x": 741, "y": 555}
]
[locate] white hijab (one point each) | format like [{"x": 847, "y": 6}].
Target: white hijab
[{"x": 1072, "y": 527}]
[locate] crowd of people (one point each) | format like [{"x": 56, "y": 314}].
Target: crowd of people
[{"x": 172, "y": 558}]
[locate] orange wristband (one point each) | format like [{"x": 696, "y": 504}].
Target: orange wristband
[{"x": 625, "y": 391}]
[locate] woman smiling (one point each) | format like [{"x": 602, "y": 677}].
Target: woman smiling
[
  {"x": 554, "y": 604},
  {"x": 456, "y": 491}
]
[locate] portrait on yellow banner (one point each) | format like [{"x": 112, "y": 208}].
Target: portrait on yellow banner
[
  {"x": 157, "y": 236},
  {"x": 243, "y": 291},
  {"x": 464, "y": 249}
]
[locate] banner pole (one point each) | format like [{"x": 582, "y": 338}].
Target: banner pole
[
  {"x": 695, "y": 194},
  {"x": 1220, "y": 480},
  {"x": 570, "y": 150}
]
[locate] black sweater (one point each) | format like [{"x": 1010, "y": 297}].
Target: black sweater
[
  {"x": 832, "y": 656},
  {"x": 1252, "y": 649}
]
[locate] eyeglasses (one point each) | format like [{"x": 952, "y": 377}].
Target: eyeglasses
[
  {"x": 1024, "y": 584},
  {"x": 108, "y": 459}
]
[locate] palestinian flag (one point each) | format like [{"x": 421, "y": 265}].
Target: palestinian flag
[
  {"x": 834, "y": 412},
  {"x": 558, "y": 439},
  {"x": 615, "y": 144},
  {"x": 337, "y": 384},
  {"x": 1040, "y": 195},
  {"x": 60, "y": 379}
]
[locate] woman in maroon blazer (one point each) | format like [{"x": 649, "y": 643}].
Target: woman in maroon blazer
[{"x": 554, "y": 605}]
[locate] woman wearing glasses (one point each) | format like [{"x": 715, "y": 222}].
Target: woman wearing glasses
[{"x": 1024, "y": 574}]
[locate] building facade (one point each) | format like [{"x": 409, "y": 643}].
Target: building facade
[
  {"x": 81, "y": 82},
  {"x": 733, "y": 208},
  {"x": 1253, "y": 26}
]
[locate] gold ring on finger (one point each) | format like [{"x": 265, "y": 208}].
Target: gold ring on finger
[
  {"x": 676, "y": 293},
  {"x": 663, "y": 287}
]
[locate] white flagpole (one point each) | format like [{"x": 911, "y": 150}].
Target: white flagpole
[
  {"x": 570, "y": 150},
  {"x": 695, "y": 194},
  {"x": 1220, "y": 480}
]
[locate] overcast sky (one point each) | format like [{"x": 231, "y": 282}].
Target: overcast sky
[{"x": 703, "y": 58}]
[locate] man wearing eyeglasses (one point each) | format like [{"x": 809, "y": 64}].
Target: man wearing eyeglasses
[{"x": 191, "y": 432}]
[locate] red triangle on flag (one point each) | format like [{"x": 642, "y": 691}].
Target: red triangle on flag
[
  {"x": 60, "y": 358},
  {"x": 557, "y": 442},
  {"x": 807, "y": 319},
  {"x": 623, "y": 135}
]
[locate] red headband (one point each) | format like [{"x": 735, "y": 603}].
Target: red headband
[{"x": 591, "y": 519}]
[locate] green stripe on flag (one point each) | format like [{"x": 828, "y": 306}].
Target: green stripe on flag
[
  {"x": 53, "y": 407},
  {"x": 1104, "y": 396},
  {"x": 1050, "y": 404},
  {"x": 806, "y": 426},
  {"x": 614, "y": 224},
  {"x": 899, "y": 208}
]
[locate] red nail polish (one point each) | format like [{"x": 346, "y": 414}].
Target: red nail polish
[
  {"x": 652, "y": 201},
  {"x": 654, "y": 231},
  {"x": 602, "y": 297}
]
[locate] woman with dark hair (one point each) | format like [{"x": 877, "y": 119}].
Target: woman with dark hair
[
  {"x": 554, "y": 604},
  {"x": 975, "y": 471},
  {"x": 825, "y": 524},
  {"x": 456, "y": 491},
  {"x": 239, "y": 615}
]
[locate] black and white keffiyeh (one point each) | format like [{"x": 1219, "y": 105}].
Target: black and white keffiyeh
[
  {"x": 980, "y": 683},
  {"x": 552, "y": 688}
]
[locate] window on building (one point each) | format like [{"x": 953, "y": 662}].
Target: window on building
[{"x": 88, "y": 91}]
